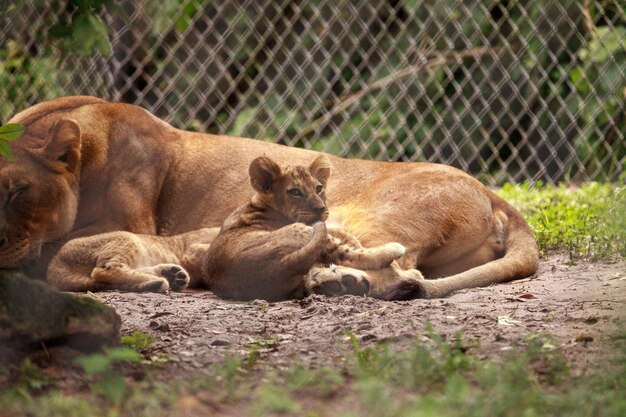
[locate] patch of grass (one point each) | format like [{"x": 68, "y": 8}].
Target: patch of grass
[
  {"x": 138, "y": 341},
  {"x": 108, "y": 381},
  {"x": 272, "y": 399},
  {"x": 589, "y": 222},
  {"x": 533, "y": 381},
  {"x": 324, "y": 382},
  {"x": 54, "y": 404},
  {"x": 30, "y": 378},
  {"x": 432, "y": 378}
]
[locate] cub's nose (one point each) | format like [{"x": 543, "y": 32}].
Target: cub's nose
[{"x": 319, "y": 210}]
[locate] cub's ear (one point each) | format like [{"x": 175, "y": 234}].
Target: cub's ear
[
  {"x": 320, "y": 169},
  {"x": 62, "y": 150},
  {"x": 263, "y": 172}
]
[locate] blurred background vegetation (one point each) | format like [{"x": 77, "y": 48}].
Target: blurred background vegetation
[{"x": 508, "y": 90}]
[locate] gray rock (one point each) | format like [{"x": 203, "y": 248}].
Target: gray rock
[{"x": 33, "y": 314}]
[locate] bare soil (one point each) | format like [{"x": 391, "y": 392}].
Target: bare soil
[{"x": 581, "y": 306}]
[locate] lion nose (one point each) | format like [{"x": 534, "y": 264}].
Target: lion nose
[{"x": 319, "y": 210}]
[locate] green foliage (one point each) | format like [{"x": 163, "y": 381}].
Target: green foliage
[
  {"x": 139, "y": 341},
  {"x": 9, "y": 132},
  {"x": 109, "y": 382},
  {"x": 73, "y": 27},
  {"x": 418, "y": 368},
  {"x": 30, "y": 379},
  {"x": 86, "y": 33},
  {"x": 589, "y": 222},
  {"x": 324, "y": 382},
  {"x": 25, "y": 78},
  {"x": 557, "y": 65},
  {"x": 272, "y": 399},
  {"x": 431, "y": 378},
  {"x": 565, "y": 85}
]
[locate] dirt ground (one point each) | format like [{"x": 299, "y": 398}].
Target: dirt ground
[{"x": 580, "y": 305}]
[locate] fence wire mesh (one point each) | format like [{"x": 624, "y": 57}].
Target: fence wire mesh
[{"x": 507, "y": 90}]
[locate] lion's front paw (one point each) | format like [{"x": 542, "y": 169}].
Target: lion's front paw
[
  {"x": 337, "y": 280},
  {"x": 177, "y": 277}
]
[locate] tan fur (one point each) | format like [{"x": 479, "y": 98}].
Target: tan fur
[
  {"x": 267, "y": 246},
  {"x": 129, "y": 262},
  {"x": 138, "y": 174}
]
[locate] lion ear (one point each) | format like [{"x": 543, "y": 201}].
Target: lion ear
[
  {"x": 263, "y": 172},
  {"x": 320, "y": 169},
  {"x": 63, "y": 148}
]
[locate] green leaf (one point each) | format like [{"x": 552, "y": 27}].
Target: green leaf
[
  {"x": 103, "y": 46},
  {"x": 123, "y": 354},
  {"x": 90, "y": 33},
  {"x": 6, "y": 151},
  {"x": 83, "y": 34},
  {"x": 11, "y": 131},
  {"x": 60, "y": 31},
  {"x": 113, "y": 7},
  {"x": 94, "y": 364},
  {"x": 113, "y": 387}
]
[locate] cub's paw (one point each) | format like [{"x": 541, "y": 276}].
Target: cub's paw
[
  {"x": 337, "y": 280},
  {"x": 177, "y": 277},
  {"x": 394, "y": 249},
  {"x": 389, "y": 253}
]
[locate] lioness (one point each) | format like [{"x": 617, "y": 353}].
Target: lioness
[
  {"x": 267, "y": 246},
  {"x": 129, "y": 262},
  {"x": 86, "y": 166}
]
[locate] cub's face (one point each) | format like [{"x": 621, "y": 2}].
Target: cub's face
[
  {"x": 38, "y": 194},
  {"x": 297, "y": 192},
  {"x": 300, "y": 197}
]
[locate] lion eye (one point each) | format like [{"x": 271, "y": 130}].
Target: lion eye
[
  {"x": 319, "y": 189},
  {"x": 16, "y": 192},
  {"x": 295, "y": 192}
]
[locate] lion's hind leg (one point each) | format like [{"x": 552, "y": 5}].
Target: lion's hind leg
[
  {"x": 69, "y": 274},
  {"x": 175, "y": 275},
  {"x": 119, "y": 276}
]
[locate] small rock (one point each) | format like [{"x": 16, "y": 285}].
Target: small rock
[
  {"x": 218, "y": 342},
  {"x": 584, "y": 339}
]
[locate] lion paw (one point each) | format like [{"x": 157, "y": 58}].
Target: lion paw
[
  {"x": 177, "y": 277},
  {"x": 394, "y": 249},
  {"x": 156, "y": 285},
  {"x": 338, "y": 280}
]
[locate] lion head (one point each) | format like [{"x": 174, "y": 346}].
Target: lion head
[
  {"x": 38, "y": 192},
  {"x": 295, "y": 191}
]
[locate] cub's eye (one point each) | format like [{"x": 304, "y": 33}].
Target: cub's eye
[
  {"x": 295, "y": 192},
  {"x": 16, "y": 192},
  {"x": 319, "y": 189}
]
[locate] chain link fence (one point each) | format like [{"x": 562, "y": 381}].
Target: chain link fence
[{"x": 507, "y": 90}]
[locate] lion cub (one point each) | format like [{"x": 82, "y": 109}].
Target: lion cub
[
  {"x": 268, "y": 245},
  {"x": 129, "y": 262}
]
